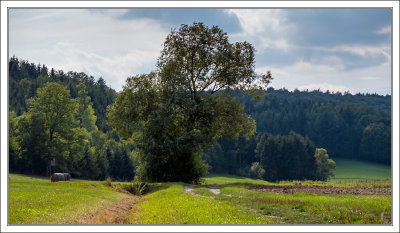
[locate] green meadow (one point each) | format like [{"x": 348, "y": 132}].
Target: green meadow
[
  {"x": 35, "y": 200},
  {"x": 359, "y": 170}
]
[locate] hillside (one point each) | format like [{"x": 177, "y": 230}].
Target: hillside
[{"x": 347, "y": 126}]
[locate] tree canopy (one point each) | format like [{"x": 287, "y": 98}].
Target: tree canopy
[{"x": 188, "y": 102}]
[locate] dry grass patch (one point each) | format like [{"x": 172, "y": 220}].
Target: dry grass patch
[{"x": 113, "y": 214}]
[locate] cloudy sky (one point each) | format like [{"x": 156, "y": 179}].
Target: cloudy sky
[{"x": 335, "y": 49}]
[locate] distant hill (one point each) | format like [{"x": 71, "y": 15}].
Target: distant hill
[
  {"x": 348, "y": 126},
  {"x": 379, "y": 102},
  {"x": 356, "y": 127}
]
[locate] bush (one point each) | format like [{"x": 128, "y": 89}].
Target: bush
[
  {"x": 107, "y": 182},
  {"x": 325, "y": 166},
  {"x": 137, "y": 187},
  {"x": 256, "y": 170}
]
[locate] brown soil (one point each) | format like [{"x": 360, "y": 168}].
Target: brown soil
[
  {"x": 113, "y": 214},
  {"x": 320, "y": 189}
]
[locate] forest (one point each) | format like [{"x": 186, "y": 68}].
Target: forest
[
  {"x": 204, "y": 109},
  {"x": 348, "y": 126},
  {"x": 345, "y": 125}
]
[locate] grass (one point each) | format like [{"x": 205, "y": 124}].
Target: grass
[
  {"x": 352, "y": 169},
  {"x": 220, "y": 179},
  {"x": 35, "y": 200},
  {"x": 305, "y": 208},
  {"x": 172, "y": 205}
]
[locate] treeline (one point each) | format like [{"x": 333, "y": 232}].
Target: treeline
[
  {"x": 347, "y": 126},
  {"x": 374, "y": 100},
  {"x": 62, "y": 116},
  {"x": 343, "y": 126},
  {"x": 271, "y": 157},
  {"x": 25, "y": 78},
  {"x": 346, "y": 130}
]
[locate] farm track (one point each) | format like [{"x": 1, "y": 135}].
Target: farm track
[
  {"x": 321, "y": 190},
  {"x": 215, "y": 190},
  {"x": 113, "y": 214},
  {"x": 212, "y": 188}
]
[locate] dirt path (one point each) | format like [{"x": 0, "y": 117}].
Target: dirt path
[
  {"x": 320, "y": 189},
  {"x": 113, "y": 214},
  {"x": 214, "y": 189}
]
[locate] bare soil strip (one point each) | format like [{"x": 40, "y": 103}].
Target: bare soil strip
[
  {"x": 321, "y": 190},
  {"x": 113, "y": 214}
]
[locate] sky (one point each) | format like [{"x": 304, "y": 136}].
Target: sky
[{"x": 327, "y": 49}]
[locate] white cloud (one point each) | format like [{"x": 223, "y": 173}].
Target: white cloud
[
  {"x": 256, "y": 21},
  {"x": 96, "y": 44},
  {"x": 264, "y": 28},
  {"x": 116, "y": 69},
  {"x": 360, "y": 50},
  {"x": 384, "y": 30},
  {"x": 316, "y": 74}
]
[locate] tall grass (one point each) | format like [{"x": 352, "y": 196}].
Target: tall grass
[
  {"x": 306, "y": 208},
  {"x": 36, "y": 200}
]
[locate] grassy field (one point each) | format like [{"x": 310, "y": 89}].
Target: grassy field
[
  {"x": 306, "y": 208},
  {"x": 352, "y": 169},
  {"x": 172, "y": 205},
  {"x": 35, "y": 200}
]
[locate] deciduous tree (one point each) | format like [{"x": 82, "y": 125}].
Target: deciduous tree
[{"x": 188, "y": 103}]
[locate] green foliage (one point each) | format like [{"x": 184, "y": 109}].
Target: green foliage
[
  {"x": 325, "y": 166},
  {"x": 187, "y": 105},
  {"x": 26, "y": 78},
  {"x": 85, "y": 114},
  {"x": 55, "y": 111},
  {"x": 14, "y": 147},
  {"x": 376, "y": 144},
  {"x": 289, "y": 157},
  {"x": 349, "y": 126},
  {"x": 331, "y": 121},
  {"x": 256, "y": 170},
  {"x": 136, "y": 187},
  {"x": 58, "y": 126},
  {"x": 32, "y": 138}
]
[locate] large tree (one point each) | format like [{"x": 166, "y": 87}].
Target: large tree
[
  {"x": 55, "y": 111},
  {"x": 188, "y": 102}
]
